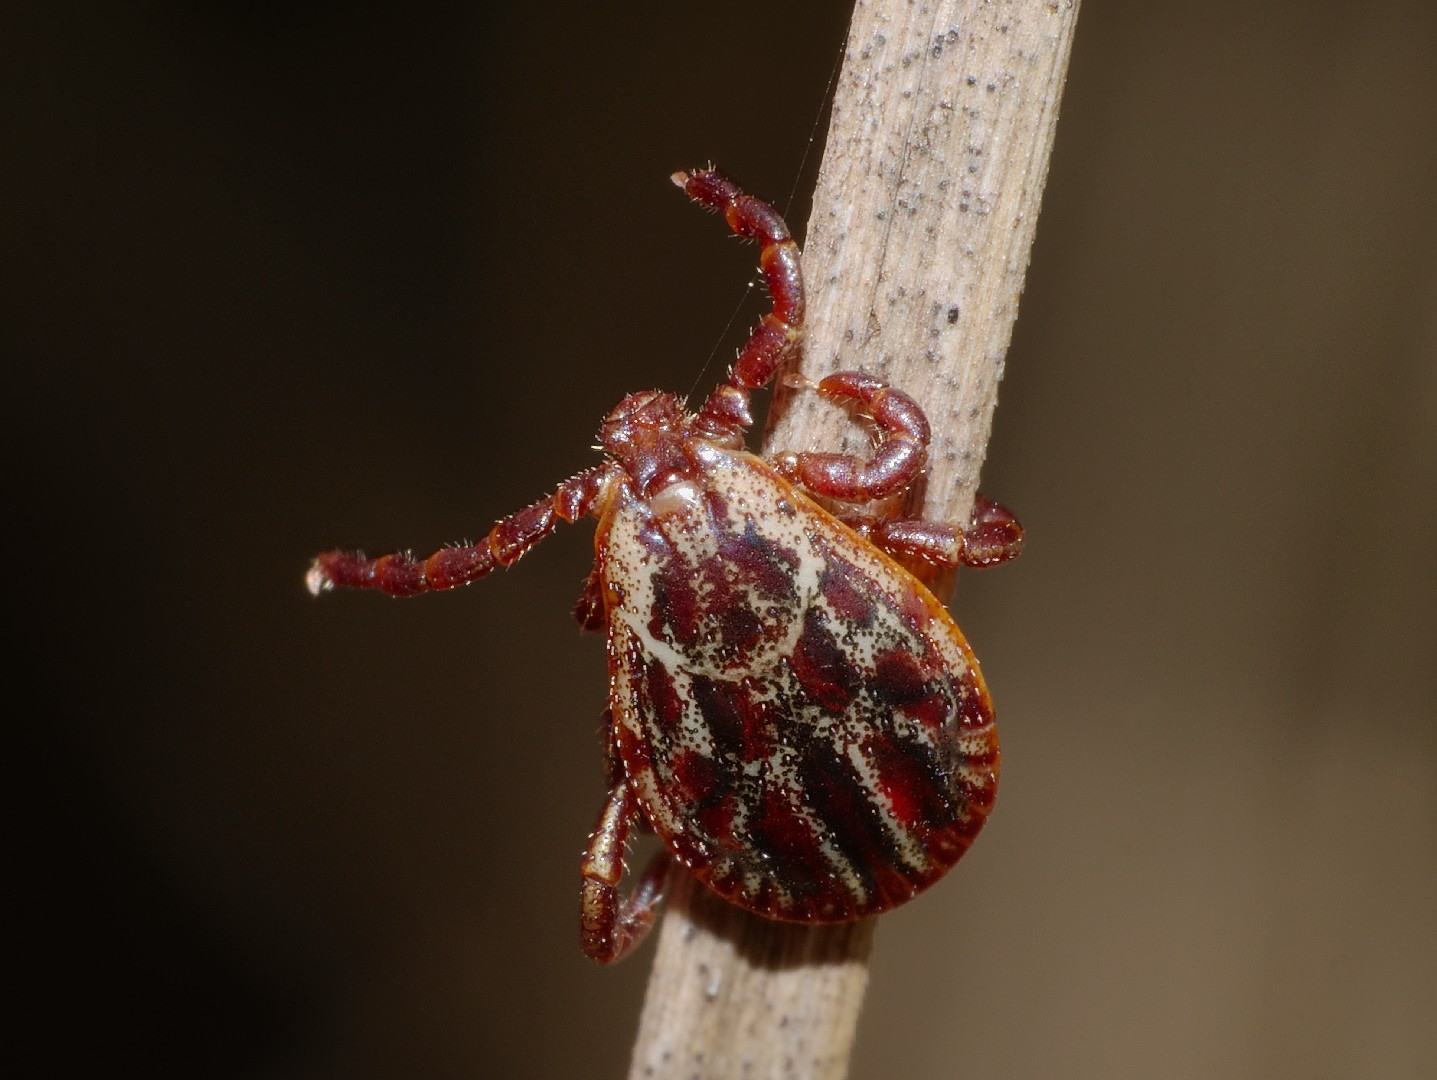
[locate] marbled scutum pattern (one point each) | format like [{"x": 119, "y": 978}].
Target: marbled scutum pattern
[{"x": 805, "y": 726}]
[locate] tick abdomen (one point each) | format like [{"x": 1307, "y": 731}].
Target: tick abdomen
[{"x": 809, "y": 735}]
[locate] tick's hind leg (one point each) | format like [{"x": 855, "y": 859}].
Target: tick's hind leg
[
  {"x": 611, "y": 926},
  {"x": 992, "y": 536}
]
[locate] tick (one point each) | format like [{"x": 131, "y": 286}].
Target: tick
[{"x": 793, "y": 713}]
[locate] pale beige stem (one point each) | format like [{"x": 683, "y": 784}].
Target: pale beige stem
[{"x": 923, "y": 220}]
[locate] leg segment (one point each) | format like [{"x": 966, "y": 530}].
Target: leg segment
[
  {"x": 778, "y": 331},
  {"x": 898, "y": 457},
  {"x": 401, "y": 574},
  {"x": 610, "y": 926},
  {"x": 589, "y": 610},
  {"x": 993, "y": 536}
]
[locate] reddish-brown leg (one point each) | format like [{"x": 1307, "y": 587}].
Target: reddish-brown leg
[
  {"x": 401, "y": 574},
  {"x": 589, "y": 609},
  {"x": 899, "y": 455},
  {"x": 993, "y": 536},
  {"x": 611, "y": 926},
  {"x": 727, "y": 408}
]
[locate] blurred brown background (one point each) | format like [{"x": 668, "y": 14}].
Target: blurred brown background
[{"x": 276, "y": 283}]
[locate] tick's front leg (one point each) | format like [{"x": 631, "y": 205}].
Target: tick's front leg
[
  {"x": 401, "y": 574},
  {"x": 901, "y": 432},
  {"x": 777, "y": 333},
  {"x": 992, "y": 536},
  {"x": 611, "y": 926}
]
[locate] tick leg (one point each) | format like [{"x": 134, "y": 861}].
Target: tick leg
[
  {"x": 401, "y": 574},
  {"x": 899, "y": 455},
  {"x": 727, "y": 409},
  {"x": 589, "y": 610},
  {"x": 993, "y": 536},
  {"x": 611, "y": 926}
]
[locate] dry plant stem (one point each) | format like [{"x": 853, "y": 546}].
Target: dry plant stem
[{"x": 922, "y": 224}]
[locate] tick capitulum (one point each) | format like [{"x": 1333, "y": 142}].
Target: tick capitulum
[{"x": 792, "y": 712}]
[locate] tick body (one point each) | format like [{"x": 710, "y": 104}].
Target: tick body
[{"x": 792, "y": 712}]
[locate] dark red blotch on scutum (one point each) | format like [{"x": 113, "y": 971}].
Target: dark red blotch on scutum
[
  {"x": 761, "y": 565},
  {"x": 820, "y": 665},
  {"x": 676, "y": 600},
  {"x": 852, "y": 605},
  {"x": 722, "y": 706},
  {"x": 913, "y": 787},
  {"x": 901, "y": 684},
  {"x": 854, "y": 824}
]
